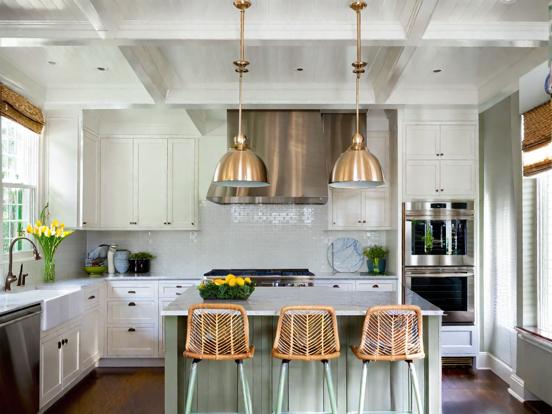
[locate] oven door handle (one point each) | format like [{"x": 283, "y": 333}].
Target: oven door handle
[{"x": 439, "y": 275}]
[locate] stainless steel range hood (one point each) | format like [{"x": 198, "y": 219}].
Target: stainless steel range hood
[{"x": 296, "y": 154}]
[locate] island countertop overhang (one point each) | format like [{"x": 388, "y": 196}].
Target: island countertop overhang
[{"x": 267, "y": 301}]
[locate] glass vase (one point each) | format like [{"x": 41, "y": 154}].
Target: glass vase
[{"x": 49, "y": 273}]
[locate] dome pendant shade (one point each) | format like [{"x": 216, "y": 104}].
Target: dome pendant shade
[
  {"x": 356, "y": 168},
  {"x": 240, "y": 167}
]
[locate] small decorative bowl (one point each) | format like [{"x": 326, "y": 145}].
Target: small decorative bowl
[{"x": 95, "y": 270}]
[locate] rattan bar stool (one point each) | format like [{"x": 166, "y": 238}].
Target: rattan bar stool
[
  {"x": 218, "y": 332},
  {"x": 306, "y": 333},
  {"x": 391, "y": 333}
]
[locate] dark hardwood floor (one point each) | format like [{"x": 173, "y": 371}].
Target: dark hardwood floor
[{"x": 140, "y": 390}]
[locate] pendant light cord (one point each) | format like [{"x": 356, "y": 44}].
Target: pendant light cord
[
  {"x": 549, "y": 86},
  {"x": 242, "y": 59},
  {"x": 358, "y": 59}
]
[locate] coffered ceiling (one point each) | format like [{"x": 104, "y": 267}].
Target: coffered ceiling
[{"x": 180, "y": 52}]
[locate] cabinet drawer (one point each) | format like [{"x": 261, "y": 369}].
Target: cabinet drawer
[
  {"x": 130, "y": 341},
  {"x": 91, "y": 297},
  {"x": 376, "y": 286},
  {"x": 174, "y": 288},
  {"x": 131, "y": 311},
  {"x": 458, "y": 341},
  {"x": 338, "y": 284},
  {"x": 123, "y": 290}
]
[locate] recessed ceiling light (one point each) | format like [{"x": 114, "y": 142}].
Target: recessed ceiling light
[
  {"x": 52, "y": 62},
  {"x": 508, "y": 1},
  {"x": 101, "y": 68},
  {"x": 299, "y": 69},
  {"x": 437, "y": 70}
]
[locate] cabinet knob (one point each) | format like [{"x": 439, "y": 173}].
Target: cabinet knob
[
  {"x": 375, "y": 286},
  {"x": 360, "y": 221},
  {"x": 91, "y": 297},
  {"x": 364, "y": 221},
  {"x": 165, "y": 223},
  {"x": 335, "y": 286},
  {"x": 442, "y": 154},
  {"x": 441, "y": 189},
  {"x": 436, "y": 190},
  {"x": 131, "y": 330},
  {"x": 132, "y": 292},
  {"x": 178, "y": 293},
  {"x": 179, "y": 286},
  {"x": 59, "y": 345},
  {"x": 84, "y": 223},
  {"x": 193, "y": 224},
  {"x": 132, "y": 304},
  {"x": 169, "y": 223},
  {"x": 437, "y": 154},
  {"x": 133, "y": 222}
]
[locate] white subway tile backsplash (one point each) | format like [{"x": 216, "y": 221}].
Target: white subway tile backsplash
[{"x": 240, "y": 236}]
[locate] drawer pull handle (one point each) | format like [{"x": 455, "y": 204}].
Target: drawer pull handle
[
  {"x": 132, "y": 292},
  {"x": 179, "y": 286},
  {"x": 178, "y": 293},
  {"x": 375, "y": 286},
  {"x": 91, "y": 297},
  {"x": 335, "y": 286},
  {"x": 132, "y": 304},
  {"x": 131, "y": 330}
]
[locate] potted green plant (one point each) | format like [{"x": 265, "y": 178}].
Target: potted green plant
[
  {"x": 140, "y": 262},
  {"x": 376, "y": 258}
]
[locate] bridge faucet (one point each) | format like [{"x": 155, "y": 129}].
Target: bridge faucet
[{"x": 11, "y": 277}]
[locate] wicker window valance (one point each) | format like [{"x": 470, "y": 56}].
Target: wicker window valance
[
  {"x": 537, "y": 140},
  {"x": 19, "y": 109}
]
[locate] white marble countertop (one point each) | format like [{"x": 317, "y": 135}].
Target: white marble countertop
[
  {"x": 267, "y": 301},
  {"x": 352, "y": 276}
]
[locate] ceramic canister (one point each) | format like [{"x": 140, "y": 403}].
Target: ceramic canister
[{"x": 121, "y": 261}]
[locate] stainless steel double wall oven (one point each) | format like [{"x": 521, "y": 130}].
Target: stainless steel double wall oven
[{"x": 438, "y": 256}]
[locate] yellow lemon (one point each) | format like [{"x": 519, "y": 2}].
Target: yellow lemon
[
  {"x": 219, "y": 282},
  {"x": 240, "y": 281},
  {"x": 229, "y": 277},
  {"x": 248, "y": 280},
  {"x": 30, "y": 228},
  {"x": 232, "y": 282}
]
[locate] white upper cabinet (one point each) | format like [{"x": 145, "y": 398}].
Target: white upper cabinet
[
  {"x": 422, "y": 142},
  {"x": 150, "y": 157},
  {"x": 117, "y": 183},
  {"x": 90, "y": 180},
  {"x": 182, "y": 179},
  {"x": 148, "y": 183},
  {"x": 457, "y": 142},
  {"x": 359, "y": 209},
  {"x": 440, "y": 161}
]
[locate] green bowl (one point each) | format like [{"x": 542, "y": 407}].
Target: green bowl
[{"x": 95, "y": 270}]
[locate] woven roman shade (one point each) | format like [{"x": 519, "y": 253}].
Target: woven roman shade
[
  {"x": 20, "y": 109},
  {"x": 537, "y": 140}
]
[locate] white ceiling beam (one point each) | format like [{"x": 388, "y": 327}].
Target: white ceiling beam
[
  {"x": 101, "y": 21},
  {"x": 151, "y": 67},
  {"x": 395, "y": 60}
]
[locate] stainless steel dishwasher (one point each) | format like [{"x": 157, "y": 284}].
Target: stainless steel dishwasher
[{"x": 20, "y": 360}]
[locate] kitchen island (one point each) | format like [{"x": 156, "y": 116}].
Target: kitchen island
[{"x": 218, "y": 388}]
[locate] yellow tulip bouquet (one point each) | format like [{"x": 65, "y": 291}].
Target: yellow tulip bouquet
[
  {"x": 49, "y": 237},
  {"x": 231, "y": 287}
]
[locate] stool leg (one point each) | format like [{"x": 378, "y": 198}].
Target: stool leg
[
  {"x": 329, "y": 384},
  {"x": 245, "y": 388},
  {"x": 416, "y": 386},
  {"x": 191, "y": 386},
  {"x": 280, "y": 398},
  {"x": 363, "y": 387}
]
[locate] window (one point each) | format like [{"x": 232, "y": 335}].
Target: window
[
  {"x": 544, "y": 240},
  {"x": 19, "y": 181}
]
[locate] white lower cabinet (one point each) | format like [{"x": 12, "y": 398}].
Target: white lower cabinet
[
  {"x": 59, "y": 360},
  {"x": 377, "y": 285},
  {"x": 91, "y": 335},
  {"x": 459, "y": 340},
  {"x": 338, "y": 284},
  {"x": 132, "y": 341}
]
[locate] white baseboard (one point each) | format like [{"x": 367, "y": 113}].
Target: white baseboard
[
  {"x": 131, "y": 362},
  {"x": 486, "y": 360}
]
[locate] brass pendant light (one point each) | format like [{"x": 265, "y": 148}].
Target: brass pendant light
[
  {"x": 241, "y": 167},
  {"x": 357, "y": 167}
]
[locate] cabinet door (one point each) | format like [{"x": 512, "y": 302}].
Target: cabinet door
[
  {"x": 422, "y": 179},
  {"x": 422, "y": 142},
  {"x": 376, "y": 286},
  {"x": 348, "y": 285},
  {"x": 151, "y": 173},
  {"x": 50, "y": 369},
  {"x": 117, "y": 181},
  {"x": 162, "y": 304},
  {"x": 139, "y": 341},
  {"x": 346, "y": 208},
  {"x": 376, "y": 208},
  {"x": 182, "y": 195},
  {"x": 70, "y": 356},
  {"x": 90, "y": 179},
  {"x": 457, "y": 142},
  {"x": 90, "y": 338},
  {"x": 457, "y": 178}
]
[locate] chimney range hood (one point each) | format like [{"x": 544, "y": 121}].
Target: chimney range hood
[{"x": 299, "y": 148}]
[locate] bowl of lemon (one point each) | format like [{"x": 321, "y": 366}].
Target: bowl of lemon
[{"x": 230, "y": 288}]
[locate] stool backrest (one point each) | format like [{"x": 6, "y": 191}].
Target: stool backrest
[
  {"x": 305, "y": 331},
  {"x": 391, "y": 331},
  {"x": 217, "y": 330}
]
